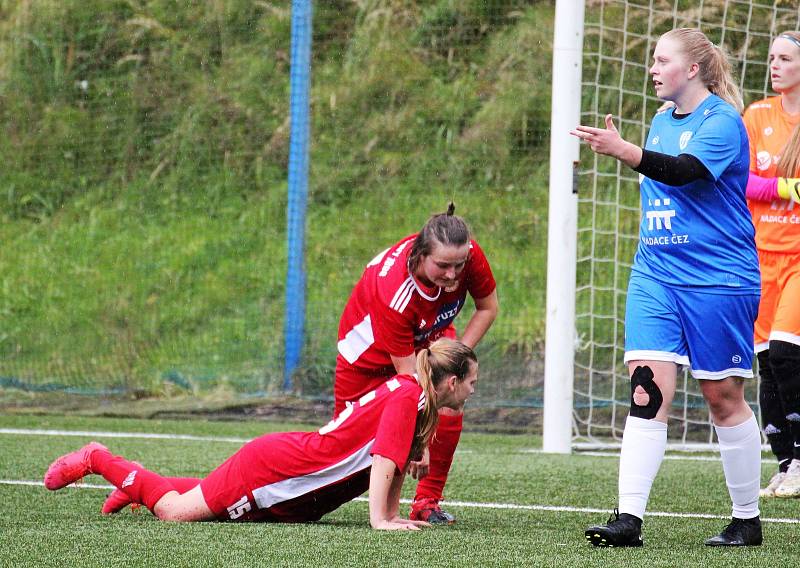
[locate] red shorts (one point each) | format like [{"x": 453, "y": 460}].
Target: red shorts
[
  {"x": 351, "y": 384},
  {"x": 228, "y": 490}
]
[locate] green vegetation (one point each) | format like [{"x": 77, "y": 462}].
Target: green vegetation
[
  {"x": 65, "y": 528},
  {"x": 143, "y": 192}
]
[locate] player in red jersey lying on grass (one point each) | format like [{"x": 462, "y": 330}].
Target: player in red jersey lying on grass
[{"x": 301, "y": 476}]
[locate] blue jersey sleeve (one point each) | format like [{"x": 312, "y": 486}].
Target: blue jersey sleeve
[{"x": 717, "y": 143}]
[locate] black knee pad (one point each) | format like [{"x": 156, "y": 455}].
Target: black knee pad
[{"x": 643, "y": 376}]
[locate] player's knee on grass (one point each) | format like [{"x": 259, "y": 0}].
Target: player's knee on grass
[
  {"x": 646, "y": 397},
  {"x": 188, "y": 507}
]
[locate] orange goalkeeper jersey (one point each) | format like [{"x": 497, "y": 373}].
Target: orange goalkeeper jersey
[{"x": 769, "y": 128}]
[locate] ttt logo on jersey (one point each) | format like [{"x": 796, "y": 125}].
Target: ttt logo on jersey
[{"x": 660, "y": 218}]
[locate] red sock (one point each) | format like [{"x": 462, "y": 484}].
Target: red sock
[
  {"x": 443, "y": 447},
  {"x": 183, "y": 484},
  {"x": 139, "y": 484}
]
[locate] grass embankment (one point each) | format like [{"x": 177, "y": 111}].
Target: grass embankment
[{"x": 143, "y": 191}]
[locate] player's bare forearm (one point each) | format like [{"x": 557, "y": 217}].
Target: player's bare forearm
[
  {"x": 406, "y": 365},
  {"x": 381, "y": 482},
  {"x": 485, "y": 313},
  {"x": 393, "y": 498},
  {"x": 629, "y": 154}
]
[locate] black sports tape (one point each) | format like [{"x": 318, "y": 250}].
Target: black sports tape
[{"x": 643, "y": 377}]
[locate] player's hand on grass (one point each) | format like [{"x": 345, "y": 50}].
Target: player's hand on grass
[
  {"x": 415, "y": 523},
  {"x": 396, "y": 524},
  {"x": 419, "y": 469}
]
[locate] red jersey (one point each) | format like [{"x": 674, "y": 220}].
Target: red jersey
[
  {"x": 391, "y": 313},
  {"x": 300, "y": 476},
  {"x": 769, "y": 129}
]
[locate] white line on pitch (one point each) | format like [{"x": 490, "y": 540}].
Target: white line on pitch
[
  {"x": 677, "y": 457},
  {"x": 132, "y": 435},
  {"x": 139, "y": 435},
  {"x": 474, "y": 505}
]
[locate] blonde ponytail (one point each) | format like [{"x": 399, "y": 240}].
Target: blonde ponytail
[
  {"x": 721, "y": 82},
  {"x": 715, "y": 68},
  {"x": 789, "y": 164},
  {"x": 443, "y": 359},
  {"x": 428, "y": 417}
]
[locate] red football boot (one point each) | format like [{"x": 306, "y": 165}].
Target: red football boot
[
  {"x": 71, "y": 467},
  {"x": 428, "y": 510}
]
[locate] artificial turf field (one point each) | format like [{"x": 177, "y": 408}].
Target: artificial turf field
[{"x": 555, "y": 498}]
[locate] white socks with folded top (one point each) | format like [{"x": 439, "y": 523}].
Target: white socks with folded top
[
  {"x": 643, "y": 445},
  {"x": 645, "y": 441},
  {"x": 740, "y": 447}
]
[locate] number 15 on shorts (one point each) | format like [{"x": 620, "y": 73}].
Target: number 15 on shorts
[{"x": 239, "y": 508}]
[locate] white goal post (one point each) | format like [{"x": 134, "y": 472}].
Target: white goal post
[{"x": 562, "y": 227}]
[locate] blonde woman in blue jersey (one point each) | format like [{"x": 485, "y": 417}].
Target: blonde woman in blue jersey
[{"x": 694, "y": 287}]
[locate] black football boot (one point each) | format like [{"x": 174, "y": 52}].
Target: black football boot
[{"x": 620, "y": 530}]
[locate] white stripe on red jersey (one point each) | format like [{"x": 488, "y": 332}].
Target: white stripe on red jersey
[
  {"x": 357, "y": 340},
  {"x": 281, "y": 491},
  {"x": 403, "y": 295}
]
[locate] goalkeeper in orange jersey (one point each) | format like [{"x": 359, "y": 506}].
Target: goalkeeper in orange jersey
[{"x": 773, "y": 192}]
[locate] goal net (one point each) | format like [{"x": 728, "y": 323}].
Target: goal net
[{"x": 619, "y": 37}]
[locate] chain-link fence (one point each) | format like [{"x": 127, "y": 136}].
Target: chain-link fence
[{"x": 143, "y": 191}]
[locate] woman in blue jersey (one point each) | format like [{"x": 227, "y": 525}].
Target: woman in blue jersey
[{"x": 694, "y": 287}]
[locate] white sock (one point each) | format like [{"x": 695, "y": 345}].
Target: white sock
[
  {"x": 643, "y": 445},
  {"x": 740, "y": 447}
]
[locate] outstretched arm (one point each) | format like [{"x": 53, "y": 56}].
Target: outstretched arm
[
  {"x": 671, "y": 170},
  {"x": 384, "y": 497},
  {"x": 608, "y": 142}
]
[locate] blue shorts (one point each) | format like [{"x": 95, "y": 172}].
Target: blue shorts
[{"x": 712, "y": 333}]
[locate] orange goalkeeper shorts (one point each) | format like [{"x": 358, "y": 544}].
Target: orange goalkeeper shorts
[{"x": 779, "y": 310}]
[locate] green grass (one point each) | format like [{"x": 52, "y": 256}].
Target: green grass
[{"x": 39, "y": 528}]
